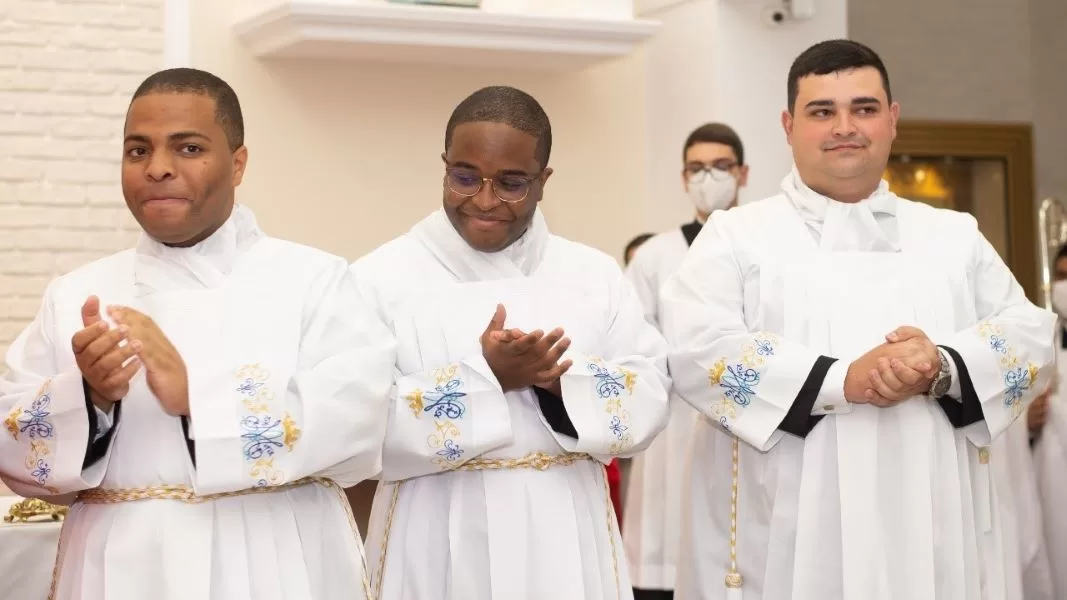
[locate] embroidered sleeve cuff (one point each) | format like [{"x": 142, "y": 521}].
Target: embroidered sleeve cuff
[
  {"x": 831, "y": 399},
  {"x": 800, "y": 419}
]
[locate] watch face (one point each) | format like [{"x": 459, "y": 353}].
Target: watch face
[{"x": 940, "y": 387}]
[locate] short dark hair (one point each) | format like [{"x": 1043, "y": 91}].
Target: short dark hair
[
  {"x": 634, "y": 243},
  {"x": 1062, "y": 253},
  {"x": 194, "y": 81},
  {"x": 507, "y": 105},
  {"x": 716, "y": 133},
  {"x": 833, "y": 56}
]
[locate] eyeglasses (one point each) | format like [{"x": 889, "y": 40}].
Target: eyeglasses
[
  {"x": 509, "y": 187},
  {"x": 718, "y": 171}
]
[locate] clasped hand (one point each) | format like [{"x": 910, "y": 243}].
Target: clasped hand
[
  {"x": 108, "y": 365},
  {"x": 904, "y": 366},
  {"x": 519, "y": 359}
]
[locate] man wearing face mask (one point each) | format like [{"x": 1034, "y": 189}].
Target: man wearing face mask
[
  {"x": 713, "y": 170},
  {"x": 855, "y": 355}
]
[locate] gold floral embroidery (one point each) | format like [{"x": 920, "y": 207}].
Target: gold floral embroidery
[
  {"x": 738, "y": 380},
  {"x": 1017, "y": 377},
  {"x": 263, "y": 470},
  {"x": 445, "y": 405},
  {"x": 415, "y": 402},
  {"x": 12, "y": 422},
  {"x": 292, "y": 432},
  {"x": 613, "y": 385},
  {"x": 35, "y": 423}
]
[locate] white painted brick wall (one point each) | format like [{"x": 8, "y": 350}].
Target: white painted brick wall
[{"x": 67, "y": 70}]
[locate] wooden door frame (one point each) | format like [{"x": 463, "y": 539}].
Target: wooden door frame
[{"x": 1010, "y": 142}]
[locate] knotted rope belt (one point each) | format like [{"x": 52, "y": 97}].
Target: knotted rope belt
[{"x": 186, "y": 495}]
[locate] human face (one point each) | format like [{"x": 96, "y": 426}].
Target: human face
[
  {"x": 1060, "y": 269},
  {"x": 842, "y": 130},
  {"x": 486, "y": 222},
  {"x": 178, "y": 173},
  {"x": 704, "y": 155}
]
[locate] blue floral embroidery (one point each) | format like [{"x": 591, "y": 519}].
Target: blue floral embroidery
[
  {"x": 444, "y": 403},
  {"x": 264, "y": 434},
  {"x": 249, "y": 387},
  {"x": 451, "y": 451},
  {"x": 998, "y": 344},
  {"x": 608, "y": 384},
  {"x": 444, "y": 400},
  {"x": 614, "y": 386},
  {"x": 1018, "y": 378},
  {"x": 41, "y": 473},
  {"x": 739, "y": 383},
  {"x": 739, "y": 379},
  {"x": 34, "y": 422}
]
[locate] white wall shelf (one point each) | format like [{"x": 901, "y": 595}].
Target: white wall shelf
[{"x": 338, "y": 30}]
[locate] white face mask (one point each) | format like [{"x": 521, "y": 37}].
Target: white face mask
[
  {"x": 1059, "y": 298},
  {"x": 712, "y": 191}
]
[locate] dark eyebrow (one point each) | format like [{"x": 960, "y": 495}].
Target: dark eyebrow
[
  {"x": 174, "y": 137},
  {"x": 861, "y": 100},
  {"x": 866, "y": 100},
  {"x": 520, "y": 172}
]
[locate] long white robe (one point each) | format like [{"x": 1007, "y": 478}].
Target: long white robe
[
  {"x": 439, "y": 532},
  {"x": 1022, "y": 544},
  {"x": 289, "y": 377},
  {"x": 879, "y": 504},
  {"x": 652, "y": 528},
  {"x": 1050, "y": 461}
]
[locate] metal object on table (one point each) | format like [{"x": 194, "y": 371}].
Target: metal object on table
[{"x": 34, "y": 510}]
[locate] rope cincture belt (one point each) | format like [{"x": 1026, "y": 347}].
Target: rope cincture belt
[
  {"x": 539, "y": 461},
  {"x": 185, "y": 494}
]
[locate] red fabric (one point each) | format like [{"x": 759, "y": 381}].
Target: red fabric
[{"x": 614, "y": 481}]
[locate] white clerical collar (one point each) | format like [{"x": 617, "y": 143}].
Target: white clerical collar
[
  {"x": 813, "y": 205},
  {"x": 519, "y": 259},
  {"x": 867, "y": 225},
  {"x": 208, "y": 261}
]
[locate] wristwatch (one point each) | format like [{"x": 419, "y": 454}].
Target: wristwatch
[{"x": 943, "y": 381}]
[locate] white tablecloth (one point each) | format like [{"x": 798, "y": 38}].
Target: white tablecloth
[{"x": 27, "y": 555}]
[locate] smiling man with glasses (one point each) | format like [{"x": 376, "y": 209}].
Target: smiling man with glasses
[{"x": 524, "y": 366}]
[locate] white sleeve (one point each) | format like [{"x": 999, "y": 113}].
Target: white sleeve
[
  {"x": 747, "y": 381},
  {"x": 1005, "y": 360},
  {"x": 45, "y": 441},
  {"x": 618, "y": 402},
  {"x": 329, "y": 419},
  {"x": 444, "y": 417}
]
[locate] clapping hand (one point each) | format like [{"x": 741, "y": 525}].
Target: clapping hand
[
  {"x": 105, "y": 365},
  {"x": 164, "y": 368},
  {"x": 519, "y": 359}
]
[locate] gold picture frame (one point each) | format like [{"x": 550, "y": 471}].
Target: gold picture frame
[{"x": 1011, "y": 143}]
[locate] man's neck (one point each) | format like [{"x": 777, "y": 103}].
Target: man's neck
[{"x": 848, "y": 191}]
